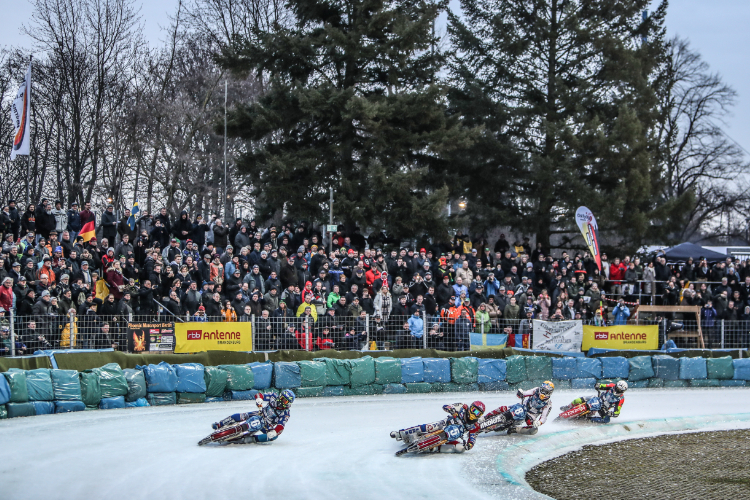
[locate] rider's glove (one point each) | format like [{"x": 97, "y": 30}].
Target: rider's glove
[
  {"x": 519, "y": 394},
  {"x": 271, "y": 434}
]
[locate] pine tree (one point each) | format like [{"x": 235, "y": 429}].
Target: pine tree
[
  {"x": 353, "y": 102},
  {"x": 565, "y": 91}
]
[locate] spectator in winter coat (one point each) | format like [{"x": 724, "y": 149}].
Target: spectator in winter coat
[
  {"x": 123, "y": 228},
  {"x": 109, "y": 224},
  {"x": 621, "y": 312},
  {"x": 220, "y": 235}
]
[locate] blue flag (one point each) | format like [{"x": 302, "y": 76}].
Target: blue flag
[{"x": 133, "y": 212}]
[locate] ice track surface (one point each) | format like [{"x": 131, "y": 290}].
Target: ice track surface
[{"x": 332, "y": 448}]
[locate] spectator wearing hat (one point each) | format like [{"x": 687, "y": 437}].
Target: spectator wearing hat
[
  {"x": 199, "y": 315},
  {"x": 109, "y": 223},
  {"x": 6, "y": 294}
]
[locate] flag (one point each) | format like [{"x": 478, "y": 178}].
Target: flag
[
  {"x": 88, "y": 231},
  {"x": 133, "y": 212},
  {"x": 488, "y": 341},
  {"x": 587, "y": 224},
  {"x": 20, "y": 113}
]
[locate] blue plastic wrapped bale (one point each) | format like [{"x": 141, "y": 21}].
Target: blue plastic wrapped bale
[
  {"x": 239, "y": 377},
  {"x": 215, "y": 400},
  {"x": 262, "y": 375},
  {"x": 464, "y": 370},
  {"x": 39, "y": 385},
  {"x": 732, "y": 383},
  {"x": 312, "y": 373},
  {"x": 693, "y": 368},
  {"x": 500, "y": 385},
  {"x": 21, "y": 410},
  {"x": 394, "y": 389},
  {"x": 160, "y": 378},
  {"x": 362, "y": 371},
  {"x": 672, "y": 384},
  {"x": 136, "y": 384},
  {"x": 741, "y": 369},
  {"x": 638, "y": 384},
  {"x": 640, "y": 369},
  {"x": 387, "y": 370},
  {"x": 112, "y": 403},
  {"x": 112, "y": 380},
  {"x": 655, "y": 383},
  {"x": 588, "y": 368},
  {"x": 69, "y": 406},
  {"x": 333, "y": 390},
  {"x": 16, "y": 380},
  {"x": 704, "y": 382},
  {"x": 564, "y": 368},
  {"x": 162, "y": 398},
  {"x": 363, "y": 390},
  {"x": 286, "y": 375},
  {"x": 4, "y": 391},
  {"x": 43, "y": 407},
  {"x": 338, "y": 371},
  {"x": 490, "y": 371},
  {"x": 189, "y": 398},
  {"x": 615, "y": 367},
  {"x": 583, "y": 383},
  {"x": 412, "y": 370},
  {"x": 436, "y": 370},
  {"x": 138, "y": 403},
  {"x": 515, "y": 369},
  {"x": 66, "y": 385},
  {"x": 538, "y": 367},
  {"x": 216, "y": 381},
  {"x": 666, "y": 367},
  {"x": 720, "y": 368},
  {"x": 248, "y": 395},
  {"x": 190, "y": 378}
]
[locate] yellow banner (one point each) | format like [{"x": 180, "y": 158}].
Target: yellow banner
[
  {"x": 199, "y": 337},
  {"x": 644, "y": 337}
]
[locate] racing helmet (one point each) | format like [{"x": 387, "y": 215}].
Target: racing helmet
[
  {"x": 285, "y": 399},
  {"x": 545, "y": 390},
  {"x": 476, "y": 410},
  {"x": 621, "y": 386}
]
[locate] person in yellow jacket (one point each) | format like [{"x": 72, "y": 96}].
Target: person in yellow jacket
[
  {"x": 65, "y": 340},
  {"x": 308, "y": 303}
]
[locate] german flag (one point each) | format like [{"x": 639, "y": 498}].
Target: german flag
[{"x": 88, "y": 231}]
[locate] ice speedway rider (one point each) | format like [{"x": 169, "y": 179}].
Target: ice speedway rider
[
  {"x": 537, "y": 404},
  {"x": 465, "y": 416},
  {"x": 611, "y": 396},
  {"x": 270, "y": 418}
]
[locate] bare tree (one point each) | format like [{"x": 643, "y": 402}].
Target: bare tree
[{"x": 701, "y": 166}]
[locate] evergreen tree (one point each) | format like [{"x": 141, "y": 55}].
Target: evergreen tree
[
  {"x": 353, "y": 102},
  {"x": 565, "y": 91}
]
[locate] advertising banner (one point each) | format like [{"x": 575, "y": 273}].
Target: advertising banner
[
  {"x": 144, "y": 337},
  {"x": 558, "y": 335},
  {"x": 644, "y": 337},
  {"x": 200, "y": 337}
]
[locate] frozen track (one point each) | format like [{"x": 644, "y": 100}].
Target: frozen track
[{"x": 333, "y": 447}]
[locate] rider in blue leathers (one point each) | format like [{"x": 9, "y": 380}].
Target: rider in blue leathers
[
  {"x": 268, "y": 422},
  {"x": 611, "y": 397},
  {"x": 536, "y": 407}
]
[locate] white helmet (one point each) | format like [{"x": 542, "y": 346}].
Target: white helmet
[{"x": 621, "y": 387}]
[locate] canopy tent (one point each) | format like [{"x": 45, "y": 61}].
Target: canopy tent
[{"x": 684, "y": 251}]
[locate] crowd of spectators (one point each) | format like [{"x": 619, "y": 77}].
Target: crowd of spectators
[{"x": 304, "y": 296}]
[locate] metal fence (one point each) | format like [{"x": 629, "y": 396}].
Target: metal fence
[{"x": 21, "y": 335}]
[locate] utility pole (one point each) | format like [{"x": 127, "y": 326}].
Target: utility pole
[
  {"x": 226, "y": 208},
  {"x": 330, "y": 223}
]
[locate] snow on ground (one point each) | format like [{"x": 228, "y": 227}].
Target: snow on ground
[{"x": 332, "y": 448}]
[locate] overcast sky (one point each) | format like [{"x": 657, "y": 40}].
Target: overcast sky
[{"x": 716, "y": 28}]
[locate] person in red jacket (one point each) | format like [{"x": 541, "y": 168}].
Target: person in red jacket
[
  {"x": 6, "y": 294},
  {"x": 370, "y": 277},
  {"x": 617, "y": 275}
]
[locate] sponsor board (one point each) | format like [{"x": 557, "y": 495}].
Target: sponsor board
[
  {"x": 143, "y": 337},
  {"x": 642, "y": 337},
  {"x": 200, "y": 337}
]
